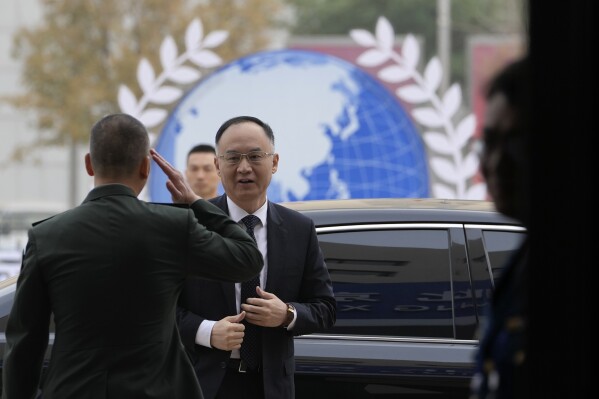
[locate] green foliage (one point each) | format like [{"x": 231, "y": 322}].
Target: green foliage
[
  {"x": 419, "y": 17},
  {"x": 340, "y": 16}
]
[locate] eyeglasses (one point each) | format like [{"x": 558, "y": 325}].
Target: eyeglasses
[{"x": 255, "y": 157}]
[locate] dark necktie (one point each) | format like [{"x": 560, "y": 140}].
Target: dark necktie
[{"x": 250, "y": 348}]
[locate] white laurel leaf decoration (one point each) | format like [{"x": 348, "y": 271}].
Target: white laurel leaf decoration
[
  {"x": 411, "y": 51},
  {"x": 438, "y": 142},
  {"x": 385, "y": 35},
  {"x": 127, "y": 100},
  {"x": 449, "y": 158},
  {"x": 470, "y": 165},
  {"x": 427, "y": 117},
  {"x": 380, "y": 50},
  {"x": 185, "y": 75},
  {"x": 477, "y": 191},
  {"x": 394, "y": 74},
  {"x": 433, "y": 74},
  {"x": 165, "y": 95},
  {"x": 443, "y": 191},
  {"x": 168, "y": 52},
  {"x": 193, "y": 35},
  {"x": 464, "y": 130},
  {"x": 205, "y": 59},
  {"x": 215, "y": 39},
  {"x": 372, "y": 58},
  {"x": 413, "y": 94},
  {"x": 153, "y": 86},
  {"x": 452, "y": 100},
  {"x": 146, "y": 75},
  {"x": 445, "y": 169},
  {"x": 152, "y": 117},
  {"x": 363, "y": 37}
]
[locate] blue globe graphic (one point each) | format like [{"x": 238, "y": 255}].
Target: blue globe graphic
[{"x": 339, "y": 132}]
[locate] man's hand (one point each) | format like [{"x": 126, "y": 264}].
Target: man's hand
[
  {"x": 176, "y": 184},
  {"x": 227, "y": 334},
  {"x": 266, "y": 311}
]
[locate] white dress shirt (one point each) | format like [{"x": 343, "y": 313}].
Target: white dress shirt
[{"x": 236, "y": 213}]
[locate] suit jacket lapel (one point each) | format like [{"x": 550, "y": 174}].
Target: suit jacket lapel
[{"x": 276, "y": 239}]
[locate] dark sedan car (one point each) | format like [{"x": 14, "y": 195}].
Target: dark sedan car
[{"x": 412, "y": 278}]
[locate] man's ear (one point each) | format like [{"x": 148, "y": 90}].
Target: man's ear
[
  {"x": 275, "y": 163},
  {"x": 144, "y": 167},
  {"x": 88, "y": 165}
]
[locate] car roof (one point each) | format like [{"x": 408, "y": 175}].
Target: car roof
[{"x": 398, "y": 210}]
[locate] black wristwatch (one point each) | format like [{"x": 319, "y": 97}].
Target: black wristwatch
[{"x": 289, "y": 316}]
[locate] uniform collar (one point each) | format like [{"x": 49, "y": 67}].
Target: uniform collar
[{"x": 106, "y": 190}]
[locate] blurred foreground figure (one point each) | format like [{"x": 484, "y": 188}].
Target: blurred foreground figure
[
  {"x": 110, "y": 271},
  {"x": 502, "y": 363}
]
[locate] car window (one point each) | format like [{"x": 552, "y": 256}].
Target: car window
[
  {"x": 490, "y": 250},
  {"x": 393, "y": 282},
  {"x": 500, "y": 245}
]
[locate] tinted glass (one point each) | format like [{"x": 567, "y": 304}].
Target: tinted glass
[
  {"x": 391, "y": 282},
  {"x": 500, "y": 245},
  {"x": 497, "y": 247}
]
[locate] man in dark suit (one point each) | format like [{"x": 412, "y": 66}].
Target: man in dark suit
[
  {"x": 110, "y": 271},
  {"x": 294, "y": 293}
]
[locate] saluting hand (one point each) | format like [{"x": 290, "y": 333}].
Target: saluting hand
[{"x": 176, "y": 184}]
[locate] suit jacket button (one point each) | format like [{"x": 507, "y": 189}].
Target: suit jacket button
[{"x": 223, "y": 365}]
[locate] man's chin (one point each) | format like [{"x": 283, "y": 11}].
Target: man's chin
[{"x": 245, "y": 189}]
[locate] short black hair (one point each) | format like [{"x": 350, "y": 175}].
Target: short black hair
[
  {"x": 241, "y": 119},
  {"x": 514, "y": 82},
  {"x": 201, "y": 148},
  {"x": 118, "y": 144}
]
